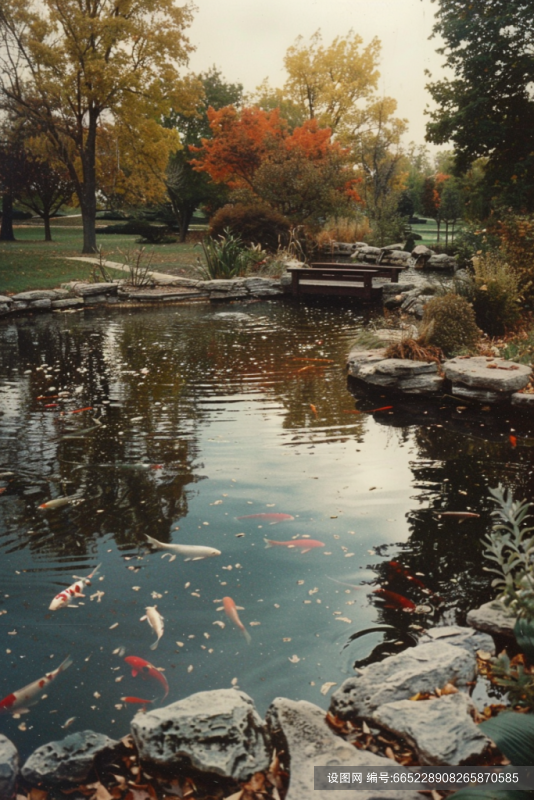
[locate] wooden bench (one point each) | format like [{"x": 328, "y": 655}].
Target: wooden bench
[
  {"x": 337, "y": 280},
  {"x": 380, "y": 270}
]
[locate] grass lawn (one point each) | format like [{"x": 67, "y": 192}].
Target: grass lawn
[
  {"x": 31, "y": 263},
  {"x": 429, "y": 232}
]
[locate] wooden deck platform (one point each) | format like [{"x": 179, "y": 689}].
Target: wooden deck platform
[{"x": 342, "y": 280}]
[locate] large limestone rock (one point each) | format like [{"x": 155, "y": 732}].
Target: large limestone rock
[
  {"x": 417, "y": 669},
  {"x": 298, "y": 730},
  {"x": 9, "y": 766},
  {"x": 67, "y": 761},
  {"x": 89, "y": 289},
  {"x": 466, "y": 638},
  {"x": 218, "y": 731},
  {"x": 441, "y": 261},
  {"x": 493, "y": 618},
  {"x": 38, "y": 294},
  {"x": 490, "y": 374},
  {"x": 442, "y": 729}
]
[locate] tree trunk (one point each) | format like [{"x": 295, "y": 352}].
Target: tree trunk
[
  {"x": 6, "y": 230},
  {"x": 88, "y": 189},
  {"x": 446, "y": 233},
  {"x": 439, "y": 226},
  {"x": 48, "y": 232},
  {"x": 185, "y": 220}
]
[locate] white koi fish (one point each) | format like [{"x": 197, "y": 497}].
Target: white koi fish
[
  {"x": 75, "y": 590},
  {"x": 59, "y": 502},
  {"x": 28, "y": 696},
  {"x": 193, "y": 551},
  {"x": 155, "y": 620}
]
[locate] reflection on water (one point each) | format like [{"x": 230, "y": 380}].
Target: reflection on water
[{"x": 175, "y": 423}]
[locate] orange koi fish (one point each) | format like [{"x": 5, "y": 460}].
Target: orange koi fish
[
  {"x": 51, "y": 405},
  {"x": 394, "y": 600},
  {"x": 384, "y": 408},
  {"x": 230, "y": 609},
  {"x": 400, "y": 570},
  {"x": 79, "y": 410},
  {"x": 146, "y": 670},
  {"x": 313, "y": 409},
  {"x": 513, "y": 440},
  {"x": 305, "y": 544},
  {"x": 52, "y": 397},
  {"x": 136, "y": 700},
  {"x": 29, "y": 695}
]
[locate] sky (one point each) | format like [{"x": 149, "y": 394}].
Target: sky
[{"x": 247, "y": 41}]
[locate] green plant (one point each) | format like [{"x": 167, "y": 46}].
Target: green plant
[
  {"x": 495, "y": 295},
  {"x": 254, "y": 224},
  {"x": 515, "y": 677},
  {"x": 520, "y": 348},
  {"x": 150, "y": 234},
  {"x": 367, "y": 340},
  {"x": 227, "y": 257},
  {"x": 449, "y": 323}
]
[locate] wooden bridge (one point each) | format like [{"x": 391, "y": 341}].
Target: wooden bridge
[{"x": 342, "y": 280}]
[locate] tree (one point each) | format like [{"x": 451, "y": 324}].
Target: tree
[
  {"x": 330, "y": 83},
  {"x": 69, "y": 67},
  {"x": 187, "y": 188},
  {"x": 487, "y": 108},
  {"x": 451, "y": 206},
  {"x": 12, "y": 166},
  {"x": 302, "y": 174}
]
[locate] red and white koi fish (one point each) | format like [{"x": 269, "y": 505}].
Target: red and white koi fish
[
  {"x": 74, "y": 590},
  {"x": 304, "y": 544},
  {"x": 147, "y": 670},
  {"x": 155, "y": 620},
  {"x": 59, "y": 502},
  {"x": 230, "y": 609},
  {"x": 273, "y": 519},
  {"x": 29, "y": 695}
]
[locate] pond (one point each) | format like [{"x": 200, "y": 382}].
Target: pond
[{"x": 184, "y": 424}]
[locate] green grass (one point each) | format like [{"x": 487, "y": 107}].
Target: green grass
[
  {"x": 31, "y": 263},
  {"x": 429, "y": 232}
]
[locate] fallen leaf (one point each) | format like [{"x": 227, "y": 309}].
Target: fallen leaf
[
  {"x": 344, "y": 619},
  {"x": 325, "y": 688},
  {"x": 294, "y": 659}
]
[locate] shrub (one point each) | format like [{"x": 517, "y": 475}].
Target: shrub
[
  {"x": 150, "y": 234},
  {"x": 227, "y": 257},
  {"x": 516, "y": 235},
  {"x": 495, "y": 293},
  {"x": 343, "y": 229},
  {"x": 253, "y": 224},
  {"x": 449, "y": 323}
]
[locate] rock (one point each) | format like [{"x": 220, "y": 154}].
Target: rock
[
  {"x": 88, "y": 289},
  {"x": 493, "y": 618},
  {"x": 5, "y": 300},
  {"x": 523, "y": 400},
  {"x": 94, "y": 299},
  {"x": 4, "y": 309},
  {"x": 298, "y": 728},
  {"x": 218, "y": 731},
  {"x": 20, "y": 305},
  {"x": 9, "y": 766},
  {"x": 262, "y": 287},
  {"x": 417, "y": 669},
  {"x": 285, "y": 280},
  {"x": 467, "y": 638},
  {"x": 441, "y": 261},
  {"x": 44, "y": 304},
  {"x": 40, "y": 294},
  {"x": 421, "y": 384},
  {"x": 479, "y": 395},
  {"x": 493, "y": 374},
  {"x": 359, "y": 358},
  {"x": 221, "y": 285},
  {"x": 442, "y": 730},
  {"x": 236, "y": 294},
  {"x": 397, "y": 288},
  {"x": 67, "y": 761},
  {"x": 68, "y": 302},
  {"x": 404, "y": 367},
  {"x": 421, "y": 251}
]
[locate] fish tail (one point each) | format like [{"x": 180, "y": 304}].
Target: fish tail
[
  {"x": 153, "y": 646},
  {"x": 246, "y": 634},
  {"x": 268, "y": 543},
  {"x": 154, "y": 541},
  {"x": 65, "y": 664},
  {"x": 95, "y": 571}
]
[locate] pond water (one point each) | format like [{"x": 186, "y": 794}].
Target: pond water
[{"x": 196, "y": 417}]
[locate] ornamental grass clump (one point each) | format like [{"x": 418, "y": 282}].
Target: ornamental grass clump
[
  {"x": 495, "y": 293},
  {"x": 414, "y": 350},
  {"x": 227, "y": 257},
  {"x": 449, "y": 323}
]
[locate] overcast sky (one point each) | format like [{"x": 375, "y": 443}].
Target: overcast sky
[{"x": 247, "y": 40}]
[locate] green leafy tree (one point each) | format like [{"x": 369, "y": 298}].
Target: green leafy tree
[
  {"x": 68, "y": 67},
  {"x": 487, "y": 109},
  {"x": 186, "y": 188},
  {"x": 451, "y": 207}
]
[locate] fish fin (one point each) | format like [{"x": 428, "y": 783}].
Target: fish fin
[
  {"x": 65, "y": 664},
  {"x": 153, "y": 646},
  {"x": 155, "y": 542},
  {"x": 142, "y": 619},
  {"x": 247, "y": 636},
  {"x": 134, "y": 673},
  {"x": 240, "y": 608},
  {"x": 268, "y": 543},
  {"x": 198, "y": 558},
  {"x": 306, "y": 550},
  {"x": 187, "y": 559}
]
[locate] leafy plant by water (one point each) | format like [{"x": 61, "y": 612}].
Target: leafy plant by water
[
  {"x": 449, "y": 323},
  {"x": 516, "y": 677},
  {"x": 227, "y": 257}
]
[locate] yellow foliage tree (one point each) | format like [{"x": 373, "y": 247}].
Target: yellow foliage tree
[{"x": 71, "y": 68}]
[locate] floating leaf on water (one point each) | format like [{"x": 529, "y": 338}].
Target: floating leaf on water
[
  {"x": 325, "y": 688},
  {"x": 344, "y": 619},
  {"x": 294, "y": 659},
  {"x": 115, "y": 625},
  {"x": 190, "y": 668}
]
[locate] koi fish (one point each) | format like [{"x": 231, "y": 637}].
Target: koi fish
[
  {"x": 313, "y": 409},
  {"x": 195, "y": 552},
  {"x": 155, "y": 620},
  {"x": 79, "y": 410},
  {"x": 395, "y": 600},
  {"x": 59, "y": 502},
  {"x": 460, "y": 515},
  {"x": 513, "y": 440},
  {"x": 51, "y": 405},
  {"x": 384, "y": 408},
  {"x": 325, "y": 360},
  {"x": 400, "y": 570},
  {"x": 52, "y": 397},
  {"x": 146, "y": 670},
  {"x": 305, "y": 544},
  {"x": 29, "y": 695},
  {"x": 75, "y": 590},
  {"x": 136, "y": 700},
  {"x": 231, "y": 612},
  {"x": 273, "y": 519}
]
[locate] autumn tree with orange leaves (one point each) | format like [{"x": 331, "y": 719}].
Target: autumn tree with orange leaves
[{"x": 303, "y": 174}]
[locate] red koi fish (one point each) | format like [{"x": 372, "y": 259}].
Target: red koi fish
[
  {"x": 52, "y": 397},
  {"x": 273, "y": 519},
  {"x": 75, "y": 590},
  {"x": 51, "y": 405},
  {"x": 513, "y": 440},
  {"x": 230, "y": 609},
  {"x": 395, "y": 600},
  {"x": 136, "y": 700},
  {"x": 400, "y": 570},
  {"x": 29, "y": 695},
  {"x": 305, "y": 544},
  {"x": 79, "y": 410},
  {"x": 384, "y": 408},
  {"x": 146, "y": 670}
]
